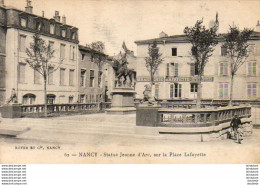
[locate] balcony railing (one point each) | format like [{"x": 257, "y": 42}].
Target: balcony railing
[{"x": 28, "y": 110}]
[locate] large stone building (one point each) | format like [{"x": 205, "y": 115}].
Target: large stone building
[
  {"x": 175, "y": 78},
  {"x": 17, "y": 32},
  {"x": 2, "y": 53}
]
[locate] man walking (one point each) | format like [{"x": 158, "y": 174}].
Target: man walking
[{"x": 235, "y": 124}]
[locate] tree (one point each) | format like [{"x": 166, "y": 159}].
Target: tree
[
  {"x": 203, "y": 41},
  {"x": 153, "y": 61},
  {"x": 39, "y": 59},
  {"x": 235, "y": 42},
  {"x": 98, "y": 57}
]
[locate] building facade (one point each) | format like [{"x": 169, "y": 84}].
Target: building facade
[
  {"x": 176, "y": 75},
  {"x": 93, "y": 81},
  {"x": 20, "y": 27},
  {"x": 2, "y": 54}
]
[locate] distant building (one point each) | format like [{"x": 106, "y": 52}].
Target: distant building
[
  {"x": 17, "y": 28},
  {"x": 175, "y": 78},
  {"x": 93, "y": 83}
]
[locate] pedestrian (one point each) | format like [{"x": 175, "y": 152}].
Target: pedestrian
[{"x": 235, "y": 124}]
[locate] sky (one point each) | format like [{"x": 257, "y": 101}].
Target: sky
[{"x": 115, "y": 21}]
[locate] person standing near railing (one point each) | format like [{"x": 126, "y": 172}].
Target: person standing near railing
[{"x": 235, "y": 124}]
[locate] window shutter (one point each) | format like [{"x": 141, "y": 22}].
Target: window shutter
[
  {"x": 176, "y": 70},
  {"x": 192, "y": 69},
  {"x": 168, "y": 70}
]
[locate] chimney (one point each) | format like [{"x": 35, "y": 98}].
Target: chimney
[
  {"x": 162, "y": 34},
  {"x": 2, "y": 3},
  {"x": 257, "y": 27},
  {"x": 63, "y": 19},
  {"x": 29, "y": 7},
  {"x": 57, "y": 16}
]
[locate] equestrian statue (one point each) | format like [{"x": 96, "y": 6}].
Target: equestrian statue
[{"x": 122, "y": 71}]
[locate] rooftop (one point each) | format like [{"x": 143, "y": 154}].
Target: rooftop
[
  {"x": 183, "y": 39},
  {"x": 38, "y": 16}
]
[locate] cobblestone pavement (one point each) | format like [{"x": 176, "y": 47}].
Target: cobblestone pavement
[{"x": 102, "y": 132}]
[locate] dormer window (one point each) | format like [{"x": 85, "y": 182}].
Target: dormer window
[
  {"x": 39, "y": 26},
  {"x": 73, "y": 35},
  {"x": 63, "y": 33},
  {"x": 23, "y": 22},
  {"x": 52, "y": 28}
]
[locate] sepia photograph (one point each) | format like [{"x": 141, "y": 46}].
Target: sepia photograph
[{"x": 129, "y": 82}]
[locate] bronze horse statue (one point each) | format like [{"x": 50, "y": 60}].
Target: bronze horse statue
[{"x": 121, "y": 70}]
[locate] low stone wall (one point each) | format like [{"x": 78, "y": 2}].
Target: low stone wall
[
  {"x": 214, "y": 126},
  {"x": 18, "y": 110}
]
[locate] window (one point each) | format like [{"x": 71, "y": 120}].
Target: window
[
  {"x": 21, "y": 73},
  {"x": 51, "y": 98},
  {"x": 51, "y": 44},
  {"x": 50, "y": 75},
  {"x": 29, "y": 99},
  {"x": 251, "y": 49},
  {"x": 91, "y": 78},
  {"x": 62, "y": 76},
  {"x": 193, "y": 87},
  {"x": 22, "y": 43},
  {"x": 223, "y": 68},
  {"x": 90, "y": 98},
  {"x": 63, "y": 33},
  {"x": 62, "y": 51},
  {"x": 251, "y": 90},
  {"x": 73, "y": 35},
  {"x": 93, "y": 98},
  {"x": 37, "y": 77},
  {"x": 193, "y": 69},
  {"x": 72, "y": 52},
  {"x": 156, "y": 91},
  {"x": 39, "y": 26},
  {"x": 52, "y": 28},
  {"x": 252, "y": 68},
  {"x": 71, "y": 99},
  {"x": 174, "y": 51},
  {"x": 223, "y": 51},
  {"x": 156, "y": 74},
  {"x": 82, "y": 98},
  {"x": 87, "y": 101},
  {"x": 175, "y": 90},
  {"x": 173, "y": 69},
  {"x": 23, "y": 22},
  {"x": 223, "y": 90},
  {"x": 97, "y": 97},
  {"x": 71, "y": 77},
  {"x": 82, "y": 77},
  {"x": 100, "y": 79}
]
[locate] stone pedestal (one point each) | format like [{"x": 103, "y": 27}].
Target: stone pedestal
[
  {"x": 147, "y": 115},
  {"x": 122, "y": 101},
  {"x": 11, "y": 111}
]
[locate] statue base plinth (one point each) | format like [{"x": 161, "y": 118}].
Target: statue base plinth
[{"x": 122, "y": 101}]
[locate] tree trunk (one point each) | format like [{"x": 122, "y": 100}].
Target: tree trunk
[
  {"x": 198, "y": 103},
  {"x": 45, "y": 98},
  {"x": 231, "y": 90},
  {"x": 152, "y": 90}
]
